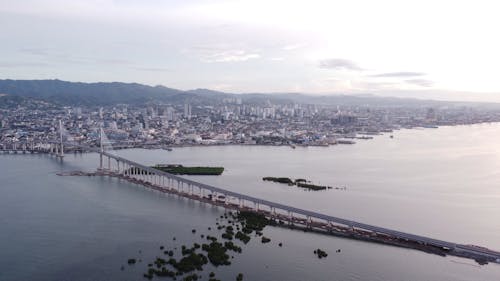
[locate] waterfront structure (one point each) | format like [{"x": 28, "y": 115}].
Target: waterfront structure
[{"x": 137, "y": 173}]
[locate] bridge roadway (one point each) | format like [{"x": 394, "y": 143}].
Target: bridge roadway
[
  {"x": 311, "y": 214},
  {"x": 474, "y": 250}
]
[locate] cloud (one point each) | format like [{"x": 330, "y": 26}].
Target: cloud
[
  {"x": 399, "y": 74},
  {"x": 341, "y": 64},
  {"x": 293, "y": 47},
  {"x": 231, "y": 56},
  {"x": 222, "y": 53},
  {"x": 420, "y": 82}
]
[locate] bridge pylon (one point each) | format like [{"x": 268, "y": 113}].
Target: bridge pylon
[
  {"x": 60, "y": 153},
  {"x": 101, "y": 147}
]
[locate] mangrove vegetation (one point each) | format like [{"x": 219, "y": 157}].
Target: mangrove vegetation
[
  {"x": 216, "y": 248},
  {"x": 303, "y": 183}
]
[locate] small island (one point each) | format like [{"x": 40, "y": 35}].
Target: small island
[
  {"x": 288, "y": 181},
  {"x": 183, "y": 170},
  {"x": 298, "y": 182},
  {"x": 320, "y": 253}
]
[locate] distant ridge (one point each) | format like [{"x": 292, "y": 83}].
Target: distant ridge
[
  {"x": 108, "y": 93},
  {"x": 77, "y": 93}
]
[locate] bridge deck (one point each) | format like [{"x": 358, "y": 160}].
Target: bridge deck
[{"x": 307, "y": 213}]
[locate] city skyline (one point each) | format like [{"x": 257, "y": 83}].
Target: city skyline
[{"x": 420, "y": 50}]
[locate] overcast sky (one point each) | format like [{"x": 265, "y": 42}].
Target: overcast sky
[{"x": 427, "y": 49}]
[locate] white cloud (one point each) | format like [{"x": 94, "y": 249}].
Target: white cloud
[
  {"x": 293, "y": 47},
  {"x": 230, "y": 56},
  {"x": 399, "y": 74},
  {"x": 339, "y": 64},
  {"x": 221, "y": 53},
  {"x": 420, "y": 82}
]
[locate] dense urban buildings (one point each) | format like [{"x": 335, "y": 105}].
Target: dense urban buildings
[{"x": 230, "y": 121}]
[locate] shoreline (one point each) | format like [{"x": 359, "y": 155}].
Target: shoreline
[{"x": 82, "y": 148}]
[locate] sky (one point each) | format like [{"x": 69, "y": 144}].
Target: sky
[{"x": 424, "y": 49}]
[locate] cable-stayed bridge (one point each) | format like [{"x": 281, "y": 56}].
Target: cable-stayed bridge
[{"x": 113, "y": 165}]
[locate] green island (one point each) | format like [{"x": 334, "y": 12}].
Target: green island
[
  {"x": 303, "y": 183},
  {"x": 284, "y": 180},
  {"x": 183, "y": 170}
]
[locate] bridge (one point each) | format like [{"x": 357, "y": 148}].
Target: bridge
[
  {"x": 116, "y": 166},
  {"x": 52, "y": 147}
]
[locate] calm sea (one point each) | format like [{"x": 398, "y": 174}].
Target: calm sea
[{"x": 443, "y": 183}]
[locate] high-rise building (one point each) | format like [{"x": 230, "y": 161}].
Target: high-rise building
[
  {"x": 170, "y": 113},
  {"x": 187, "y": 111}
]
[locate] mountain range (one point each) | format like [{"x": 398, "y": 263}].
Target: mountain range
[{"x": 108, "y": 93}]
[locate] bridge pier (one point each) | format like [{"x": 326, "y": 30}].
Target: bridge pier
[
  {"x": 309, "y": 222},
  {"x": 100, "y": 161},
  {"x": 61, "y": 144}
]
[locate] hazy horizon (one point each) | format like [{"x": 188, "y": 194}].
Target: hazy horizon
[
  {"x": 332, "y": 94},
  {"x": 419, "y": 49}
]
